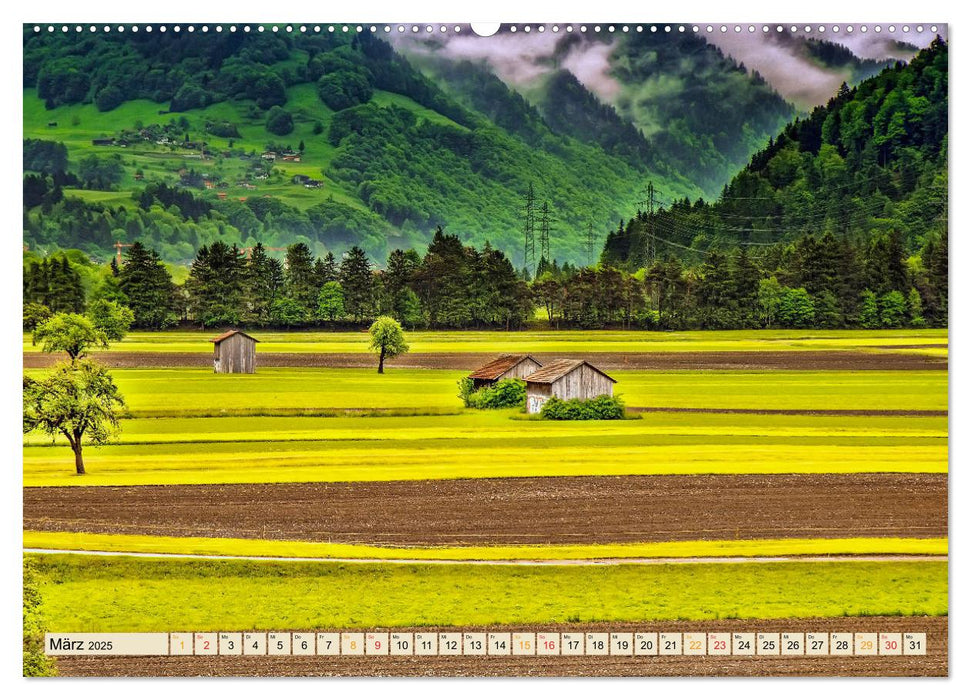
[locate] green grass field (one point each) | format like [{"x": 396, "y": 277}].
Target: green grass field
[
  {"x": 557, "y": 341},
  {"x": 235, "y": 450},
  {"x": 85, "y": 593},
  {"x": 222, "y": 546},
  {"x": 192, "y": 426},
  {"x": 295, "y": 391}
]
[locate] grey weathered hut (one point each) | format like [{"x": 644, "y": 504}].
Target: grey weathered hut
[
  {"x": 234, "y": 352},
  {"x": 566, "y": 379},
  {"x": 504, "y": 367}
]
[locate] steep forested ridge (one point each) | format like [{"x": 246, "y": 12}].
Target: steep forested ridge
[
  {"x": 699, "y": 108},
  {"x": 848, "y": 205},
  {"x": 873, "y": 159}
]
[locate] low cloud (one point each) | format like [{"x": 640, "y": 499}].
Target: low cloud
[
  {"x": 803, "y": 82},
  {"x": 521, "y": 60},
  {"x": 797, "y": 79}
]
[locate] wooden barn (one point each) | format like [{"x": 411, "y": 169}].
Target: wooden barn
[
  {"x": 566, "y": 379},
  {"x": 234, "y": 352},
  {"x": 504, "y": 367}
]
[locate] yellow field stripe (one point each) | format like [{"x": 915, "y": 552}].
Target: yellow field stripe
[{"x": 218, "y": 546}]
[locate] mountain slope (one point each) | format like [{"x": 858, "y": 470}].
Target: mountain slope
[
  {"x": 390, "y": 155},
  {"x": 870, "y": 165}
]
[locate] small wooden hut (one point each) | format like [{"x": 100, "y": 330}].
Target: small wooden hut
[
  {"x": 504, "y": 367},
  {"x": 566, "y": 379},
  {"x": 234, "y": 352}
]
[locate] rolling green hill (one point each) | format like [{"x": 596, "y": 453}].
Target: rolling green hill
[{"x": 393, "y": 154}]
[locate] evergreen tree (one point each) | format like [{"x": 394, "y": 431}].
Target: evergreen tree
[
  {"x": 300, "y": 279},
  {"x": 263, "y": 283},
  {"x": 330, "y": 271},
  {"x": 356, "y": 280},
  {"x": 148, "y": 287},
  {"x": 215, "y": 285}
]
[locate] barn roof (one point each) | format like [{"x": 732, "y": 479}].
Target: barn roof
[
  {"x": 559, "y": 368},
  {"x": 500, "y": 365},
  {"x": 229, "y": 334}
]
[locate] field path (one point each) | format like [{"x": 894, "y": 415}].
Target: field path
[
  {"x": 818, "y": 360},
  {"x": 510, "y": 511},
  {"x": 610, "y": 561}
]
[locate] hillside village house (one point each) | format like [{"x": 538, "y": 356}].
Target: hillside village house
[
  {"x": 504, "y": 367},
  {"x": 234, "y": 352},
  {"x": 566, "y": 379}
]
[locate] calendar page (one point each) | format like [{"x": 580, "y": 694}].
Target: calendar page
[{"x": 445, "y": 349}]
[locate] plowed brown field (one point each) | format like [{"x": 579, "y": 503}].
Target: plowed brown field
[{"x": 557, "y": 510}]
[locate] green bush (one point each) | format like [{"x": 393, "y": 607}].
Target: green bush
[
  {"x": 599, "y": 408},
  {"x": 36, "y": 663},
  {"x": 279, "y": 121},
  {"x": 466, "y": 389},
  {"x": 508, "y": 393}
]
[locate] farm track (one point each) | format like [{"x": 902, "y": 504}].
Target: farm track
[
  {"x": 935, "y": 663},
  {"x": 609, "y": 561},
  {"x": 750, "y": 361},
  {"x": 549, "y": 510}
]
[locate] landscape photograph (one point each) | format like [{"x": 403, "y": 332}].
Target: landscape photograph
[{"x": 400, "y": 350}]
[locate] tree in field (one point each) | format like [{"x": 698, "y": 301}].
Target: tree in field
[
  {"x": 328, "y": 271},
  {"x": 263, "y": 283},
  {"x": 279, "y": 121},
  {"x": 71, "y": 333},
  {"x": 330, "y": 301},
  {"x": 111, "y": 318},
  {"x": 387, "y": 339},
  {"x": 78, "y": 400}
]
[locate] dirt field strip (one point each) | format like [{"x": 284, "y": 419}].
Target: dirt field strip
[
  {"x": 935, "y": 663},
  {"x": 502, "y": 562},
  {"x": 525, "y": 510},
  {"x": 818, "y": 360}
]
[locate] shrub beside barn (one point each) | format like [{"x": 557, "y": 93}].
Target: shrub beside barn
[{"x": 566, "y": 379}]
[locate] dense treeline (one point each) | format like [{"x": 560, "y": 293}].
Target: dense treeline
[
  {"x": 814, "y": 282},
  {"x": 451, "y": 286}
]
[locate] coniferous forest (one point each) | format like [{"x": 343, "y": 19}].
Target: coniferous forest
[{"x": 839, "y": 221}]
